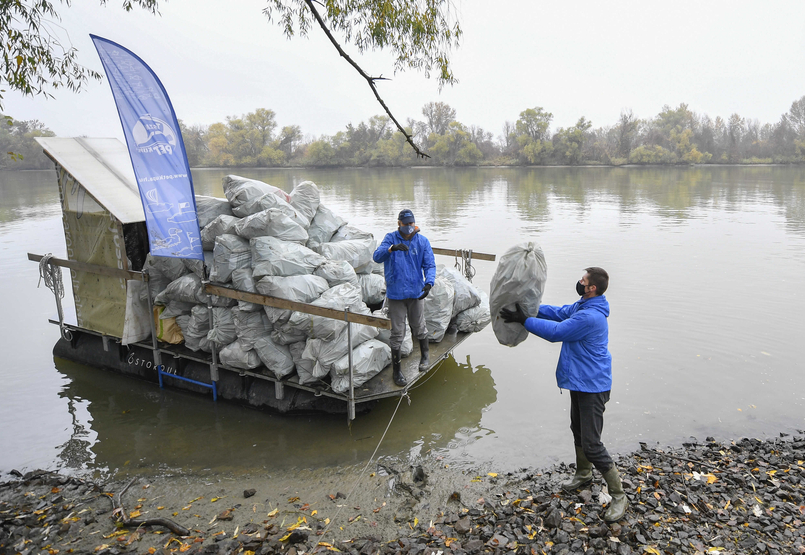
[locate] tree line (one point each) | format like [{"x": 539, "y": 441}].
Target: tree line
[{"x": 674, "y": 136}]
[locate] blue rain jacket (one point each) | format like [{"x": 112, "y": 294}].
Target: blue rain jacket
[
  {"x": 405, "y": 269},
  {"x": 585, "y": 363}
]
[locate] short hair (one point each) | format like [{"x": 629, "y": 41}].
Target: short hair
[{"x": 598, "y": 277}]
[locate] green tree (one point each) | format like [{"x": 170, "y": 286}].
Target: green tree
[
  {"x": 17, "y": 139},
  {"x": 289, "y": 140},
  {"x": 35, "y": 60},
  {"x": 531, "y": 130},
  {"x": 195, "y": 143},
  {"x": 454, "y": 147},
  {"x": 569, "y": 143},
  {"x": 393, "y": 151},
  {"x": 320, "y": 153},
  {"x": 438, "y": 116}
]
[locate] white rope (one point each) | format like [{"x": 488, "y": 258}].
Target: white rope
[
  {"x": 357, "y": 481},
  {"x": 464, "y": 264},
  {"x": 51, "y": 274}
]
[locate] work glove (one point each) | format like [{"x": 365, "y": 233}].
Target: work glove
[
  {"x": 399, "y": 247},
  {"x": 517, "y": 315},
  {"x": 425, "y": 291}
]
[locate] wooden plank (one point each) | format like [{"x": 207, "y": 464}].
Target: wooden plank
[
  {"x": 276, "y": 302},
  {"x": 457, "y": 253},
  {"x": 91, "y": 268}
]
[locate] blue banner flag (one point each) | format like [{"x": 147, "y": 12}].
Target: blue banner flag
[{"x": 156, "y": 150}]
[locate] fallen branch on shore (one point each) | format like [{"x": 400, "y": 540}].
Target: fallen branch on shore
[{"x": 120, "y": 512}]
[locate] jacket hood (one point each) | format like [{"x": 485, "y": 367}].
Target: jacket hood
[{"x": 599, "y": 303}]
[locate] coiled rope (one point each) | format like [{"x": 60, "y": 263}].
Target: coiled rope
[
  {"x": 464, "y": 264},
  {"x": 52, "y": 276}
]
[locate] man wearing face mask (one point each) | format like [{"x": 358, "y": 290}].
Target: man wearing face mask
[
  {"x": 410, "y": 274},
  {"x": 585, "y": 369}
]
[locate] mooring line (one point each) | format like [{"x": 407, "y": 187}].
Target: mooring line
[{"x": 357, "y": 481}]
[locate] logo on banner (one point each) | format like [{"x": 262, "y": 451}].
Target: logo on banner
[{"x": 153, "y": 135}]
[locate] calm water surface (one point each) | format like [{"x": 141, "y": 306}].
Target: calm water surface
[{"x": 706, "y": 330}]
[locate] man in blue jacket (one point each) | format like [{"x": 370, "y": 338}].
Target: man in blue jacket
[
  {"x": 585, "y": 369},
  {"x": 410, "y": 274}
]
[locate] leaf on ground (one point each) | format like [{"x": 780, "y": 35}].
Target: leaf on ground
[
  {"x": 102, "y": 547},
  {"x": 226, "y": 515},
  {"x": 134, "y": 514},
  {"x": 115, "y": 534},
  {"x": 293, "y": 499},
  {"x": 354, "y": 518},
  {"x": 304, "y": 507},
  {"x": 160, "y": 508},
  {"x": 492, "y": 474},
  {"x": 214, "y": 499},
  {"x": 273, "y": 513},
  {"x": 135, "y": 537}
]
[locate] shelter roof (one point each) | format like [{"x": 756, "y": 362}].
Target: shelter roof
[{"x": 103, "y": 168}]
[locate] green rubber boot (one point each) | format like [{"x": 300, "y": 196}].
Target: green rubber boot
[
  {"x": 617, "y": 507},
  {"x": 584, "y": 472}
]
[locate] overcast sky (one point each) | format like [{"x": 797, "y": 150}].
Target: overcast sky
[{"x": 582, "y": 58}]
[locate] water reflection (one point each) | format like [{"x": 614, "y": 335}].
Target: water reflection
[{"x": 123, "y": 423}]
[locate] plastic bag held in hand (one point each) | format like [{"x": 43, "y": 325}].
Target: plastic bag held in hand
[{"x": 519, "y": 278}]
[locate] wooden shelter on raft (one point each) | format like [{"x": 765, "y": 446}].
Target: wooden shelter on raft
[{"x": 107, "y": 244}]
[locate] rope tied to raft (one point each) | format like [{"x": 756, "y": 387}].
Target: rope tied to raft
[
  {"x": 51, "y": 274},
  {"x": 464, "y": 264}
]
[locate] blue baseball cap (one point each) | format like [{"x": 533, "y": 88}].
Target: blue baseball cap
[{"x": 406, "y": 217}]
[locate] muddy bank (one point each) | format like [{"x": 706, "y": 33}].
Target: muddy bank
[{"x": 731, "y": 497}]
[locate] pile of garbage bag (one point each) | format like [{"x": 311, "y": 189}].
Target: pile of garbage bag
[{"x": 263, "y": 240}]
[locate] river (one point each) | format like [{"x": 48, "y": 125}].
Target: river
[{"x": 706, "y": 289}]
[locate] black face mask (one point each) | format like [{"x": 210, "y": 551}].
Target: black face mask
[{"x": 580, "y": 289}]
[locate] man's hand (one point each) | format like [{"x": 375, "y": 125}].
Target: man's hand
[
  {"x": 425, "y": 291},
  {"x": 398, "y": 247},
  {"x": 517, "y": 315}
]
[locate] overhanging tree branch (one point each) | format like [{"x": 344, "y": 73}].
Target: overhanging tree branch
[{"x": 370, "y": 80}]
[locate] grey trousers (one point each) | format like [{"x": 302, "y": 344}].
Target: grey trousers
[
  {"x": 586, "y": 423},
  {"x": 414, "y": 309}
]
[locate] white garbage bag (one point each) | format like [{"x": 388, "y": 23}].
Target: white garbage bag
[
  {"x": 372, "y": 268},
  {"x": 466, "y": 294},
  {"x": 250, "y": 326},
  {"x": 187, "y": 289},
  {"x": 165, "y": 266},
  {"x": 439, "y": 308},
  {"x": 323, "y": 226},
  {"x": 137, "y": 321},
  {"x": 243, "y": 280},
  {"x": 174, "y": 309},
  {"x": 277, "y": 358},
  {"x": 231, "y": 253},
  {"x": 358, "y": 252},
  {"x": 305, "y": 198},
  {"x": 476, "y": 318},
  {"x": 283, "y": 335},
  {"x": 241, "y": 190},
  {"x": 223, "y": 331},
  {"x": 368, "y": 359},
  {"x": 236, "y": 355},
  {"x": 337, "y": 272},
  {"x": 519, "y": 278},
  {"x": 195, "y": 334},
  {"x": 274, "y": 257},
  {"x": 303, "y": 289},
  {"x": 373, "y": 288},
  {"x": 271, "y": 222},
  {"x": 339, "y": 297},
  {"x": 351, "y": 233},
  {"x": 209, "y": 208},
  {"x": 219, "y": 226},
  {"x": 320, "y": 355},
  {"x": 197, "y": 266}
]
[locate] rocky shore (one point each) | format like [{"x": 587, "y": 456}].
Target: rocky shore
[{"x": 743, "y": 496}]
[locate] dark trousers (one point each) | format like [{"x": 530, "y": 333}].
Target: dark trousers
[{"x": 586, "y": 423}]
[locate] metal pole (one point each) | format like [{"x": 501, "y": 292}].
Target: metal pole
[
  {"x": 154, "y": 341},
  {"x": 351, "y": 404},
  {"x": 214, "y": 351}
]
